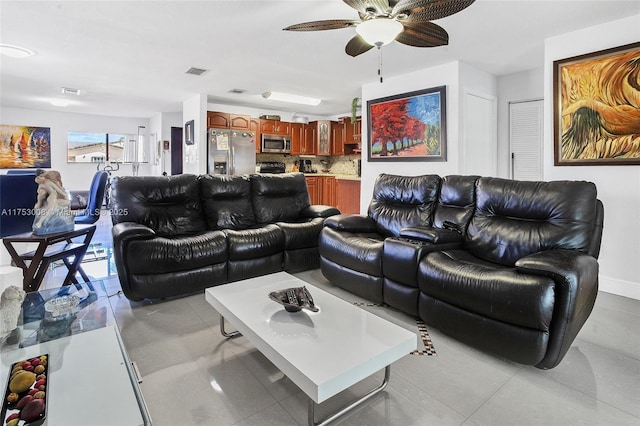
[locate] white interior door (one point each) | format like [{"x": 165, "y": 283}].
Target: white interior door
[
  {"x": 525, "y": 139},
  {"x": 479, "y": 152}
]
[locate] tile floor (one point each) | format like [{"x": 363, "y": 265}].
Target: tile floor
[{"x": 193, "y": 376}]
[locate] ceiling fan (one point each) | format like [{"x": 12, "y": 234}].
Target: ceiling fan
[{"x": 382, "y": 21}]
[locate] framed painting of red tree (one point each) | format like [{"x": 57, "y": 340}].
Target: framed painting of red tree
[{"x": 408, "y": 127}]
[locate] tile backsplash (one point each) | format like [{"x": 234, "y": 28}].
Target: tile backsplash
[{"x": 342, "y": 165}]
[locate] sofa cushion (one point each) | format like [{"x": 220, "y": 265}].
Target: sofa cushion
[
  {"x": 402, "y": 201},
  {"x": 516, "y": 218},
  {"x": 456, "y": 201},
  {"x": 226, "y": 201},
  {"x": 170, "y": 205},
  {"x": 254, "y": 243},
  {"x": 279, "y": 197},
  {"x": 488, "y": 289},
  {"x": 163, "y": 255}
]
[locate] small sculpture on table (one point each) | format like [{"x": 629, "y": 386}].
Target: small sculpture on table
[
  {"x": 294, "y": 299},
  {"x": 52, "y": 209},
  {"x": 10, "y": 306}
]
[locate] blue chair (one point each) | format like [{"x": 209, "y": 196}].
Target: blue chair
[
  {"x": 96, "y": 197},
  {"x": 17, "y": 201}
]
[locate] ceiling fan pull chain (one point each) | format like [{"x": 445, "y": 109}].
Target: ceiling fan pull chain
[{"x": 380, "y": 63}]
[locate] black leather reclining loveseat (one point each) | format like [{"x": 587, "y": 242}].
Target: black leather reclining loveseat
[
  {"x": 506, "y": 266},
  {"x": 180, "y": 234}
]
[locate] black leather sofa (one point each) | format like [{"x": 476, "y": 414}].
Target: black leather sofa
[
  {"x": 509, "y": 267},
  {"x": 180, "y": 234}
]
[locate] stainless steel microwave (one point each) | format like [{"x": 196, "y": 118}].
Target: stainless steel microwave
[{"x": 276, "y": 143}]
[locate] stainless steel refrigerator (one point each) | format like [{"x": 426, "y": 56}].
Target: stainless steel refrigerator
[{"x": 231, "y": 152}]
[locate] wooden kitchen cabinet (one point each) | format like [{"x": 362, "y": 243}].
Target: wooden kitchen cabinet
[
  {"x": 254, "y": 126},
  {"x": 328, "y": 191},
  {"x": 322, "y": 190},
  {"x": 297, "y": 136},
  {"x": 218, "y": 120},
  {"x": 315, "y": 191},
  {"x": 309, "y": 140},
  {"x": 275, "y": 127},
  {"x": 302, "y": 139},
  {"x": 352, "y": 131},
  {"x": 225, "y": 120},
  {"x": 347, "y": 195},
  {"x": 337, "y": 140},
  {"x": 323, "y": 135},
  {"x": 239, "y": 122},
  {"x": 352, "y": 135}
]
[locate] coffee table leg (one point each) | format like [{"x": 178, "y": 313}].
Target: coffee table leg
[
  {"x": 312, "y": 405},
  {"x": 224, "y": 333}
]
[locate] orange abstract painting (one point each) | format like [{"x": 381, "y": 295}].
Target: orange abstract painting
[{"x": 597, "y": 108}]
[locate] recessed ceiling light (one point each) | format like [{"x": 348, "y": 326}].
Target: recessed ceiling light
[
  {"x": 296, "y": 99},
  {"x": 15, "y": 51},
  {"x": 59, "y": 102}
]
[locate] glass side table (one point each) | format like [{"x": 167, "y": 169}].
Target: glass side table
[{"x": 91, "y": 378}]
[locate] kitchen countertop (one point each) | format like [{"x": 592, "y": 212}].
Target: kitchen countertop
[{"x": 336, "y": 175}]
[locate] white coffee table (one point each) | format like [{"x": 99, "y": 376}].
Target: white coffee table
[
  {"x": 91, "y": 379},
  {"x": 323, "y": 352}
]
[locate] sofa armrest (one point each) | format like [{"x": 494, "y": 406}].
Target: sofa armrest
[
  {"x": 351, "y": 223},
  {"x": 576, "y": 277},
  {"x": 319, "y": 210},
  {"x": 130, "y": 230},
  {"x": 123, "y": 233},
  {"x": 431, "y": 234}
]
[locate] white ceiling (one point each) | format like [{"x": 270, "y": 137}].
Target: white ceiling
[{"x": 130, "y": 57}]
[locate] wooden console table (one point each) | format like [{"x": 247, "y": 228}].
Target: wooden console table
[{"x": 51, "y": 248}]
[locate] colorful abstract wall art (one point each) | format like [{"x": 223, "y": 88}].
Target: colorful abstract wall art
[{"x": 25, "y": 147}]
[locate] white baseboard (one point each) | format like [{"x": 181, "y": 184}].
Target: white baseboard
[{"x": 620, "y": 287}]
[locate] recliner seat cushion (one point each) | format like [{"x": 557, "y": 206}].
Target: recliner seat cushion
[
  {"x": 516, "y": 218},
  {"x": 402, "y": 201},
  {"x": 181, "y": 253},
  {"x": 488, "y": 289},
  {"x": 226, "y": 201},
  {"x": 279, "y": 198},
  {"x": 361, "y": 252}
]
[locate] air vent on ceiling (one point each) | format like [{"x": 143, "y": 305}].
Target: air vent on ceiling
[
  {"x": 196, "y": 71},
  {"x": 70, "y": 91},
  {"x": 237, "y": 91}
]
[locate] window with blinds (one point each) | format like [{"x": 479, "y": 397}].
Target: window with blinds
[{"x": 525, "y": 139}]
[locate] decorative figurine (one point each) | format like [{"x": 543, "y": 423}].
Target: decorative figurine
[
  {"x": 52, "y": 209},
  {"x": 10, "y": 305},
  {"x": 294, "y": 299}
]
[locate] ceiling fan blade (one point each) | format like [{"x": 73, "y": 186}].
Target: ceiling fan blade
[
  {"x": 429, "y": 10},
  {"x": 423, "y": 34},
  {"x": 357, "y": 46},
  {"x": 381, "y": 6},
  {"x": 330, "y": 24}
]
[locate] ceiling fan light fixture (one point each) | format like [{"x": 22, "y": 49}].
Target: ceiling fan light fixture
[
  {"x": 296, "y": 99},
  {"x": 379, "y": 31}
]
